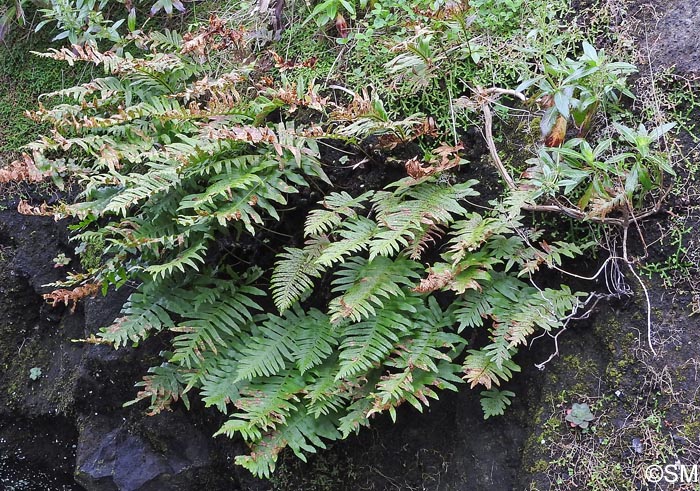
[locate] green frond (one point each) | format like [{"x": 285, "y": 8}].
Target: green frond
[
  {"x": 414, "y": 386},
  {"x": 269, "y": 352},
  {"x": 354, "y": 237},
  {"x": 365, "y": 283},
  {"x": 479, "y": 369},
  {"x": 218, "y": 385},
  {"x": 337, "y": 206},
  {"x": 190, "y": 258},
  {"x": 162, "y": 387},
  {"x": 324, "y": 394},
  {"x": 368, "y": 342},
  {"x": 301, "y": 433},
  {"x": 315, "y": 342},
  {"x": 139, "y": 187},
  {"x": 292, "y": 275},
  {"x": 404, "y": 213},
  {"x": 304, "y": 339},
  {"x": 264, "y": 406},
  {"x": 211, "y": 327},
  {"x": 494, "y": 402},
  {"x": 145, "y": 311}
]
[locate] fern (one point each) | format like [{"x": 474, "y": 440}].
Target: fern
[
  {"x": 404, "y": 212},
  {"x": 494, "y": 402},
  {"x": 338, "y": 206},
  {"x": 366, "y": 343},
  {"x": 211, "y": 324},
  {"x": 480, "y": 369},
  {"x": 354, "y": 237},
  {"x": 293, "y": 274},
  {"x": 316, "y": 343},
  {"x": 302, "y": 433},
  {"x": 364, "y": 283},
  {"x": 181, "y": 170},
  {"x": 268, "y": 353}
]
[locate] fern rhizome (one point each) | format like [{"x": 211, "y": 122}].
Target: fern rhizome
[{"x": 371, "y": 305}]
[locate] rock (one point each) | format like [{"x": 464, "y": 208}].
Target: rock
[
  {"x": 669, "y": 31},
  {"x": 111, "y": 456}
]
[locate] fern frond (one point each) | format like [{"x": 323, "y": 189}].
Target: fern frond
[
  {"x": 145, "y": 311},
  {"x": 413, "y": 386},
  {"x": 354, "y": 237},
  {"x": 479, "y": 369},
  {"x": 163, "y": 387},
  {"x": 404, "y": 213},
  {"x": 301, "y": 433},
  {"x": 218, "y": 386},
  {"x": 368, "y": 342},
  {"x": 316, "y": 342},
  {"x": 324, "y": 394},
  {"x": 494, "y": 402},
  {"x": 293, "y": 272},
  {"x": 364, "y": 283},
  {"x": 264, "y": 406},
  {"x": 190, "y": 258},
  {"x": 338, "y": 205}
]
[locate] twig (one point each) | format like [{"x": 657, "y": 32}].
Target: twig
[{"x": 486, "y": 100}]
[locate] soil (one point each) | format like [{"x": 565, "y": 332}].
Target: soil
[{"x": 65, "y": 430}]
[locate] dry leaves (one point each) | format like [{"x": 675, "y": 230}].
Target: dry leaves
[
  {"x": 43, "y": 210},
  {"x": 448, "y": 159},
  {"x": 22, "y": 170},
  {"x": 71, "y": 297},
  {"x": 434, "y": 281}
]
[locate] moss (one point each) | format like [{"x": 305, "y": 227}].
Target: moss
[
  {"x": 24, "y": 77},
  {"x": 539, "y": 466},
  {"x": 92, "y": 254},
  {"x": 322, "y": 473},
  {"x": 691, "y": 430}
]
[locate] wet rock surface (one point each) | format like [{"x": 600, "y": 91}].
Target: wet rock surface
[{"x": 111, "y": 457}]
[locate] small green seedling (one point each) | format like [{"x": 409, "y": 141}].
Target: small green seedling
[
  {"x": 579, "y": 415},
  {"x": 35, "y": 373}
]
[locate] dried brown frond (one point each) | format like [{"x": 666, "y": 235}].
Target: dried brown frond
[
  {"x": 214, "y": 37},
  {"x": 448, "y": 159},
  {"x": 223, "y": 88},
  {"x": 434, "y": 281},
  {"x": 22, "y": 170},
  {"x": 43, "y": 210},
  {"x": 163, "y": 62},
  {"x": 251, "y": 134},
  {"x": 72, "y": 297},
  {"x": 282, "y": 64},
  {"x": 290, "y": 95},
  {"x": 421, "y": 242},
  {"x": 360, "y": 106},
  {"x": 92, "y": 339},
  {"x": 601, "y": 207}
]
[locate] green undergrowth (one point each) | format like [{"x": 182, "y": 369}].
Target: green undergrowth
[
  {"x": 193, "y": 146},
  {"x": 23, "y": 78}
]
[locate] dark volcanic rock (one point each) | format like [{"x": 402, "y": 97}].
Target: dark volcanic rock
[
  {"x": 70, "y": 420},
  {"x": 117, "y": 458},
  {"x": 669, "y": 30}
]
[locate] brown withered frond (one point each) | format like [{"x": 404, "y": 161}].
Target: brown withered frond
[
  {"x": 43, "y": 210},
  {"x": 434, "y": 281},
  {"x": 72, "y": 297},
  {"x": 22, "y": 170},
  {"x": 448, "y": 159}
]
